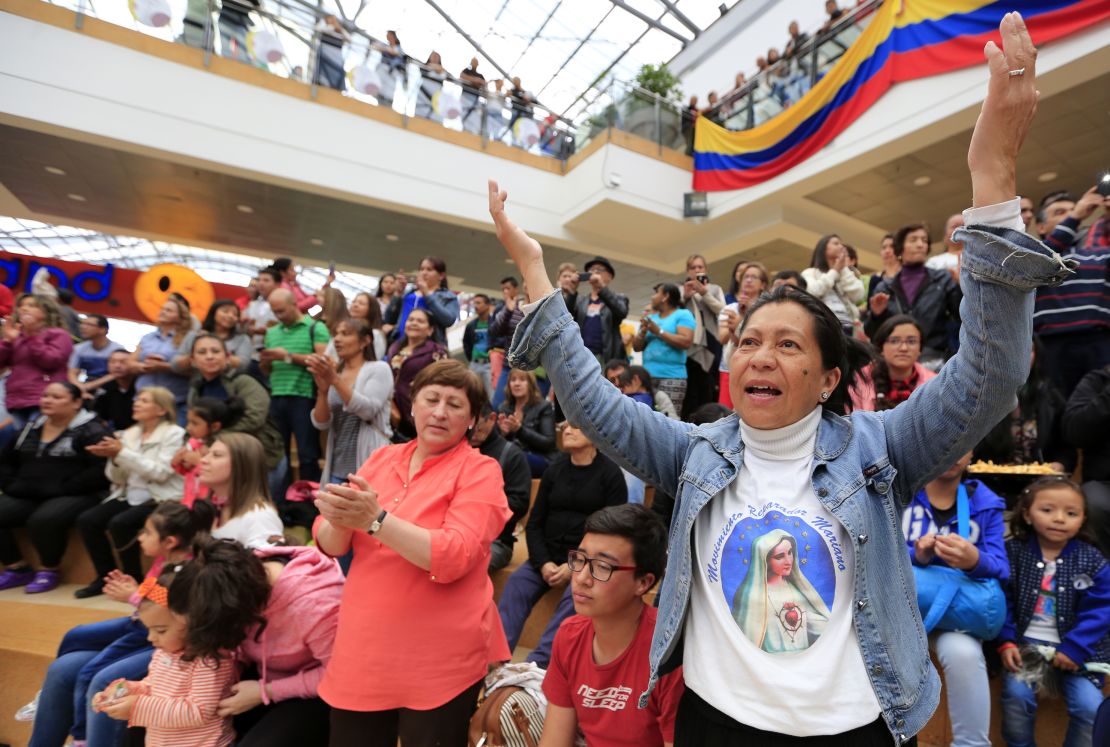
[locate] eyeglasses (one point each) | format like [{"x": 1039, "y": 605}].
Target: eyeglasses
[
  {"x": 897, "y": 342},
  {"x": 602, "y": 570}
]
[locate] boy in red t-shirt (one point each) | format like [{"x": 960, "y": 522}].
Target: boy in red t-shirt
[{"x": 599, "y": 661}]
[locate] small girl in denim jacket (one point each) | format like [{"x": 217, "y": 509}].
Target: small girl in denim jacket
[{"x": 1058, "y": 612}]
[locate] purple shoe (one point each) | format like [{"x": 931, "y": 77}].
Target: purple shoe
[
  {"x": 11, "y": 579},
  {"x": 44, "y": 581}
]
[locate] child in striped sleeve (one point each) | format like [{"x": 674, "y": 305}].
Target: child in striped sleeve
[{"x": 177, "y": 700}]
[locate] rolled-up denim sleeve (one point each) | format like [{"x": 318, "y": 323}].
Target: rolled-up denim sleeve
[
  {"x": 643, "y": 441},
  {"x": 947, "y": 416}
]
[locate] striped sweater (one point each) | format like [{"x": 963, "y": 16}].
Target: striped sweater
[
  {"x": 177, "y": 702},
  {"x": 1082, "y": 302}
]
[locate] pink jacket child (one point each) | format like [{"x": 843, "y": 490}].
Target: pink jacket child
[
  {"x": 295, "y": 646},
  {"x": 35, "y": 360},
  {"x": 193, "y": 490}
]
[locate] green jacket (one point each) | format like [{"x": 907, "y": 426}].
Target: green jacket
[{"x": 256, "y": 419}]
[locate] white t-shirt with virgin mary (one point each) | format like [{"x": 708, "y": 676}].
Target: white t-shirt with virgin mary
[{"x": 770, "y": 639}]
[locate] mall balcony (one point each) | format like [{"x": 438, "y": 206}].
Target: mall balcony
[{"x": 181, "y": 123}]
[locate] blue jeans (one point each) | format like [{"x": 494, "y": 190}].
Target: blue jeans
[
  {"x": 1019, "y": 710},
  {"x": 61, "y": 705},
  {"x": 499, "y": 390},
  {"x": 522, "y": 591},
  {"x": 291, "y": 414},
  {"x": 969, "y": 695}
]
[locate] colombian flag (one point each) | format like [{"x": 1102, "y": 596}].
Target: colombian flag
[{"x": 905, "y": 39}]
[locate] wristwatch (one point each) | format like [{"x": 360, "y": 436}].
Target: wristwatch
[
  {"x": 289, "y": 358},
  {"x": 377, "y": 523}
]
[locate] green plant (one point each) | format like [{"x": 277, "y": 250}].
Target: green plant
[
  {"x": 661, "y": 81},
  {"x": 608, "y": 117}
]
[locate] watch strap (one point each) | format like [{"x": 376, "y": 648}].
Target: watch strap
[{"x": 377, "y": 522}]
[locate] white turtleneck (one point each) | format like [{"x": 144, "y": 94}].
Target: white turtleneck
[{"x": 778, "y": 655}]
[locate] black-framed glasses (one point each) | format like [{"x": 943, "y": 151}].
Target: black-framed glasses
[{"x": 602, "y": 570}]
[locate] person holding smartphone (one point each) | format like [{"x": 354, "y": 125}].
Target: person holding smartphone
[
  {"x": 1072, "y": 323},
  {"x": 705, "y": 300},
  {"x": 600, "y": 312}
]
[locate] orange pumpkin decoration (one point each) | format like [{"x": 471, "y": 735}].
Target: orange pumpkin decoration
[{"x": 154, "y": 286}]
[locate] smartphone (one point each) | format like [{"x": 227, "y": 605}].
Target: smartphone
[
  {"x": 703, "y": 279},
  {"x": 583, "y": 277},
  {"x": 1103, "y": 183}
]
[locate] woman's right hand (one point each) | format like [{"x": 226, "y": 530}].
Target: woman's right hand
[
  {"x": 879, "y": 303},
  {"x": 322, "y": 369},
  {"x": 525, "y": 251}
]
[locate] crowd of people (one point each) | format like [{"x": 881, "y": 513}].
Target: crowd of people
[{"x": 321, "y": 503}]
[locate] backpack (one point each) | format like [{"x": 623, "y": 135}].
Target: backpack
[{"x": 507, "y": 717}]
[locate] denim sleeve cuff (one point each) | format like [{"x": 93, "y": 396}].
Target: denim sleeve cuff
[
  {"x": 543, "y": 321},
  {"x": 1001, "y": 255}
]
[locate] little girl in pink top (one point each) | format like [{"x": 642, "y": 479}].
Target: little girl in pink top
[
  {"x": 206, "y": 417},
  {"x": 178, "y": 699}
]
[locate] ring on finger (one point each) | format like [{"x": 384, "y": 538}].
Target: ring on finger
[{"x": 1017, "y": 72}]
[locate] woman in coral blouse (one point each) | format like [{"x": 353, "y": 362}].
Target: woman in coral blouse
[{"x": 417, "y": 625}]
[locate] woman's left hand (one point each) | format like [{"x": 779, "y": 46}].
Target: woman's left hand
[
  {"x": 354, "y": 506},
  {"x": 244, "y": 696},
  {"x": 957, "y": 552},
  {"x": 1006, "y": 115},
  {"x": 107, "y": 447}
]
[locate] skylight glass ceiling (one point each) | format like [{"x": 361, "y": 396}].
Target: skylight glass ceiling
[{"x": 558, "y": 48}]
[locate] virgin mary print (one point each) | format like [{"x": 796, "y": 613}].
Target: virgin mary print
[{"x": 776, "y": 606}]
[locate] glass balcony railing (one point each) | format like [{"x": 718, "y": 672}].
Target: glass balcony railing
[
  {"x": 292, "y": 39},
  {"x": 297, "y": 40},
  {"x": 778, "y": 85},
  {"x": 783, "y": 82}
]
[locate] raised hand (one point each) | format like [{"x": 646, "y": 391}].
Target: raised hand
[
  {"x": 1006, "y": 115},
  {"x": 525, "y": 251},
  {"x": 879, "y": 303}
]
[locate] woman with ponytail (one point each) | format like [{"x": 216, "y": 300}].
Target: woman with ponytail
[{"x": 277, "y": 608}]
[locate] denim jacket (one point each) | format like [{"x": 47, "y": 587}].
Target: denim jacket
[{"x": 865, "y": 468}]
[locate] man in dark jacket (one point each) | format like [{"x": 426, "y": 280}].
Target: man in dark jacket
[
  {"x": 518, "y": 481},
  {"x": 502, "y": 326},
  {"x": 931, "y": 297},
  {"x": 1087, "y": 425},
  {"x": 600, "y": 312},
  {"x": 476, "y": 340}
]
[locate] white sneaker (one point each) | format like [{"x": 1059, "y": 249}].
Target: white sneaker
[{"x": 27, "y": 712}]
